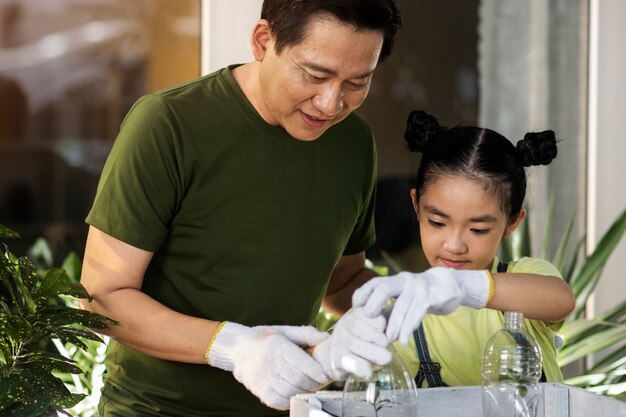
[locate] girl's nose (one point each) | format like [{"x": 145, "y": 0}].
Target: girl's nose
[{"x": 454, "y": 244}]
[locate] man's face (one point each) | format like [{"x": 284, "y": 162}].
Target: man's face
[{"x": 317, "y": 83}]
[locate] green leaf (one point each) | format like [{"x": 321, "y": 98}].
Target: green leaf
[
  {"x": 55, "y": 282},
  {"x": 614, "y": 314},
  {"x": 47, "y": 385},
  {"x": 14, "y": 329},
  {"x": 547, "y": 228},
  {"x": 77, "y": 290},
  {"x": 11, "y": 390},
  {"x": 72, "y": 265},
  {"x": 591, "y": 344},
  {"x": 55, "y": 316},
  {"x": 595, "y": 262},
  {"x": 27, "y": 272},
  {"x": 48, "y": 362},
  {"x": 614, "y": 360},
  {"x": 8, "y": 233},
  {"x": 34, "y": 408},
  {"x": 561, "y": 250},
  {"x": 84, "y": 333},
  {"x": 41, "y": 253},
  {"x": 23, "y": 294}
]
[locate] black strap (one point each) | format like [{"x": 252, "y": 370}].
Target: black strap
[{"x": 429, "y": 370}]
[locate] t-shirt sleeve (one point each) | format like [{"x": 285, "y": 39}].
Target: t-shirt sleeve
[{"x": 142, "y": 179}]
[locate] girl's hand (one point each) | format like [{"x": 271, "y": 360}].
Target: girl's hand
[{"x": 439, "y": 290}]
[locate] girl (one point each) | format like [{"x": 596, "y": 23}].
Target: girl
[{"x": 468, "y": 197}]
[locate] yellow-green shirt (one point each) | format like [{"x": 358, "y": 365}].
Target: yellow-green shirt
[{"x": 456, "y": 341}]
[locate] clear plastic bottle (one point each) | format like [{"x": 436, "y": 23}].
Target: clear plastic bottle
[
  {"x": 391, "y": 391},
  {"x": 511, "y": 371}
]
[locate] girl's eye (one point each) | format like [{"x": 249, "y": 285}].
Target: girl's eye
[
  {"x": 480, "y": 231},
  {"x": 435, "y": 224}
]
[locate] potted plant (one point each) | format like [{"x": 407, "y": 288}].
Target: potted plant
[{"x": 32, "y": 315}]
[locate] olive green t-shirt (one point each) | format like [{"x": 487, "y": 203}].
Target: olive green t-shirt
[
  {"x": 246, "y": 224},
  {"x": 456, "y": 341}
]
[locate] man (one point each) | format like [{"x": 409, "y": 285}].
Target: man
[{"x": 229, "y": 208}]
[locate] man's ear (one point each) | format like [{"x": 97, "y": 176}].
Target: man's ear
[
  {"x": 512, "y": 226},
  {"x": 260, "y": 40},
  {"x": 414, "y": 201}
]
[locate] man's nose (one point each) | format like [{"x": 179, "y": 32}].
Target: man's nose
[{"x": 329, "y": 100}]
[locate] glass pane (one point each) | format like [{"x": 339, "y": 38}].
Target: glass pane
[{"x": 69, "y": 72}]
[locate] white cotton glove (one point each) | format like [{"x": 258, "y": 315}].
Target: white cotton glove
[
  {"x": 357, "y": 341},
  {"x": 439, "y": 290},
  {"x": 269, "y": 361}
]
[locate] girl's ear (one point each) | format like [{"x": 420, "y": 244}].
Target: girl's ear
[
  {"x": 414, "y": 201},
  {"x": 512, "y": 226},
  {"x": 260, "y": 41}
]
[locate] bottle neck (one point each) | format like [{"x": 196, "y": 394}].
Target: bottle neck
[{"x": 513, "y": 320}]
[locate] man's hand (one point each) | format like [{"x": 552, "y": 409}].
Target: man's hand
[
  {"x": 357, "y": 341},
  {"x": 269, "y": 360}
]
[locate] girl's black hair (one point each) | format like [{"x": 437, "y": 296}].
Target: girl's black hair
[{"x": 479, "y": 154}]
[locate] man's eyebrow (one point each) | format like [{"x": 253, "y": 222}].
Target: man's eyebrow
[{"x": 319, "y": 68}]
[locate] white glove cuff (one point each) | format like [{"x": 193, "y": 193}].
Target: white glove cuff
[
  {"x": 223, "y": 343},
  {"x": 477, "y": 287}
]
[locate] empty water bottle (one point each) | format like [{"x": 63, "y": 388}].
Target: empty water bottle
[
  {"x": 511, "y": 371},
  {"x": 390, "y": 392}
]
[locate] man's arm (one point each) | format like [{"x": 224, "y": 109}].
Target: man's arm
[
  {"x": 348, "y": 275},
  {"x": 113, "y": 273}
]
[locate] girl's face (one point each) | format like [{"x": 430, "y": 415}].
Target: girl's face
[{"x": 461, "y": 225}]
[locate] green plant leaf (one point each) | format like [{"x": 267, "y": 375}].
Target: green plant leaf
[
  {"x": 594, "y": 343},
  {"x": 56, "y": 366},
  {"x": 575, "y": 264},
  {"x": 63, "y": 316},
  {"x": 27, "y": 272},
  {"x": 5, "y": 232},
  {"x": 547, "y": 228},
  {"x": 72, "y": 265},
  {"x": 590, "y": 272},
  {"x": 614, "y": 360},
  {"x": 573, "y": 328},
  {"x": 561, "y": 250},
  {"x": 49, "y": 386},
  {"x": 15, "y": 328},
  {"x": 41, "y": 253},
  {"x": 11, "y": 390},
  {"x": 55, "y": 282},
  {"x": 615, "y": 314},
  {"x": 37, "y": 408}
]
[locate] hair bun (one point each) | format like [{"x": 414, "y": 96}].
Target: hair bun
[
  {"x": 537, "y": 148},
  {"x": 420, "y": 128}
]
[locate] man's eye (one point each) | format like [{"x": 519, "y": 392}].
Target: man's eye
[
  {"x": 314, "y": 78},
  {"x": 356, "y": 86},
  {"x": 480, "y": 231}
]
